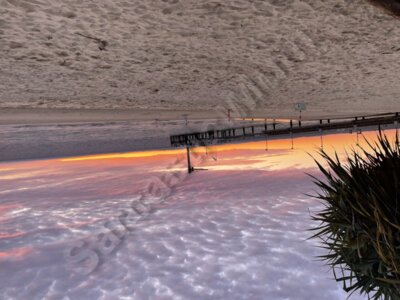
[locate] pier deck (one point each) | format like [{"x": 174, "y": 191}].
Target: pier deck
[{"x": 275, "y": 129}]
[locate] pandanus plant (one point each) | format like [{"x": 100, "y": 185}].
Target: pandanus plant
[{"x": 359, "y": 226}]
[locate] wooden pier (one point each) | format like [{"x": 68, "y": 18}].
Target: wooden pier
[{"x": 276, "y": 129}]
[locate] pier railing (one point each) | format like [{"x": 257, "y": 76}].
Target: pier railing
[{"x": 276, "y": 129}]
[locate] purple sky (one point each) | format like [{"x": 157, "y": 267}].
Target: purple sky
[{"x": 236, "y": 231}]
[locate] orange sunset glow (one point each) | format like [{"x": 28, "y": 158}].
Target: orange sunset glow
[{"x": 299, "y": 157}]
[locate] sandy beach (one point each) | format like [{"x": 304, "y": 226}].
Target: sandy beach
[{"x": 167, "y": 57}]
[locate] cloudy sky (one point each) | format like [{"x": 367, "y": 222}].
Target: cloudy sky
[{"x": 235, "y": 231}]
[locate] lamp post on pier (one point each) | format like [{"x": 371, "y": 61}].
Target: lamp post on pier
[
  {"x": 300, "y": 107},
  {"x": 191, "y": 169}
]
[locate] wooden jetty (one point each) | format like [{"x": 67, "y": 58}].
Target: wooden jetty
[{"x": 276, "y": 129}]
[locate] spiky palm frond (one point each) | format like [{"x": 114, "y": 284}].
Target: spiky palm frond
[{"x": 360, "y": 224}]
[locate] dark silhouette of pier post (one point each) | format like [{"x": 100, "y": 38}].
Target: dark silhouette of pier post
[
  {"x": 190, "y": 168},
  {"x": 322, "y": 141},
  {"x": 291, "y": 137}
]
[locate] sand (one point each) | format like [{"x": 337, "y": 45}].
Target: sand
[
  {"x": 339, "y": 56},
  {"x": 169, "y": 59}
]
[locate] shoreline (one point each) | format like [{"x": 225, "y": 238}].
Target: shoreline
[
  {"x": 71, "y": 149},
  {"x": 19, "y": 116},
  {"x": 42, "y": 116},
  {"x": 31, "y": 134}
]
